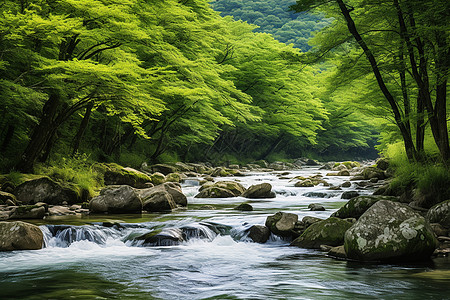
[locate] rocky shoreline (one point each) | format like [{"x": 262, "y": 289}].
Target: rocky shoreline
[{"x": 367, "y": 228}]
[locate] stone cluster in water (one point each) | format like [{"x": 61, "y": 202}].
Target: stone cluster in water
[{"x": 368, "y": 228}]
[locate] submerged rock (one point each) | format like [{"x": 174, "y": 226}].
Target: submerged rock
[
  {"x": 338, "y": 252},
  {"x": 244, "y": 207},
  {"x": 282, "y": 223},
  {"x": 355, "y": 207},
  {"x": 116, "y": 200},
  {"x": 166, "y": 237},
  {"x": 316, "y": 207},
  {"x": 263, "y": 190},
  {"x": 327, "y": 232},
  {"x": 349, "y": 194},
  {"x": 390, "y": 231},
  {"x": 20, "y": 236}
]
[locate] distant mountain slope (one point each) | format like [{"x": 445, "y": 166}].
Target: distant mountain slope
[{"x": 273, "y": 16}]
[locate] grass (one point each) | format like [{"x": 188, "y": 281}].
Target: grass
[
  {"x": 78, "y": 170},
  {"x": 429, "y": 179}
]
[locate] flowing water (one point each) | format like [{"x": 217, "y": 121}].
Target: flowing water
[{"x": 83, "y": 259}]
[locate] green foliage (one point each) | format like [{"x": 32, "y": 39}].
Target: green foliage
[{"x": 79, "y": 171}]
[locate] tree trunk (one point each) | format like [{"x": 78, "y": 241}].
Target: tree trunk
[
  {"x": 406, "y": 135},
  {"x": 41, "y": 135},
  {"x": 8, "y": 137},
  {"x": 82, "y": 129},
  {"x": 272, "y": 147}
]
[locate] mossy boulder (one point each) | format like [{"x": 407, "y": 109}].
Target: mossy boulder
[
  {"x": 118, "y": 175},
  {"x": 158, "y": 178},
  {"x": 221, "y": 189},
  {"x": 215, "y": 192},
  {"x": 46, "y": 190},
  {"x": 392, "y": 232},
  {"x": 173, "y": 177},
  {"x": 20, "y": 236},
  {"x": 259, "y": 191},
  {"x": 373, "y": 172},
  {"x": 440, "y": 213},
  {"x": 382, "y": 163},
  {"x": 4, "y": 197},
  {"x": 305, "y": 183},
  {"x": 219, "y": 172},
  {"x": 28, "y": 212},
  {"x": 355, "y": 207},
  {"x": 282, "y": 223},
  {"x": 116, "y": 200},
  {"x": 327, "y": 232}
]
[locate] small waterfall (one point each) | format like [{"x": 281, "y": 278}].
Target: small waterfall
[{"x": 64, "y": 235}]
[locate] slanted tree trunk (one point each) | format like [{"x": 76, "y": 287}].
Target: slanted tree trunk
[
  {"x": 272, "y": 147},
  {"x": 406, "y": 135},
  {"x": 40, "y": 136}
]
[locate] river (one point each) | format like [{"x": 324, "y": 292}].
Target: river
[{"x": 85, "y": 260}]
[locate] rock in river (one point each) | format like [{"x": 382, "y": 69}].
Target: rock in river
[
  {"x": 46, "y": 190},
  {"x": 390, "y": 231},
  {"x": 20, "y": 236},
  {"x": 263, "y": 190},
  {"x": 355, "y": 207},
  {"x": 282, "y": 223},
  {"x": 221, "y": 189},
  {"x": 327, "y": 232},
  {"x": 116, "y": 200}
]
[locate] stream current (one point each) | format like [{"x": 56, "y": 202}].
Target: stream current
[{"x": 83, "y": 259}]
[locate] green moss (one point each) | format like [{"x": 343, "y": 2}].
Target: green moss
[{"x": 23, "y": 209}]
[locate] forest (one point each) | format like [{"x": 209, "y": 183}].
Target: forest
[{"x": 164, "y": 81}]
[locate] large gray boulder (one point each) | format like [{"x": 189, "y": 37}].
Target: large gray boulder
[
  {"x": 20, "y": 236},
  {"x": 440, "y": 213},
  {"x": 258, "y": 191},
  {"x": 174, "y": 189},
  {"x": 390, "y": 231},
  {"x": 282, "y": 223},
  {"x": 158, "y": 202},
  {"x": 48, "y": 191},
  {"x": 327, "y": 232},
  {"x": 355, "y": 207},
  {"x": 116, "y": 200}
]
